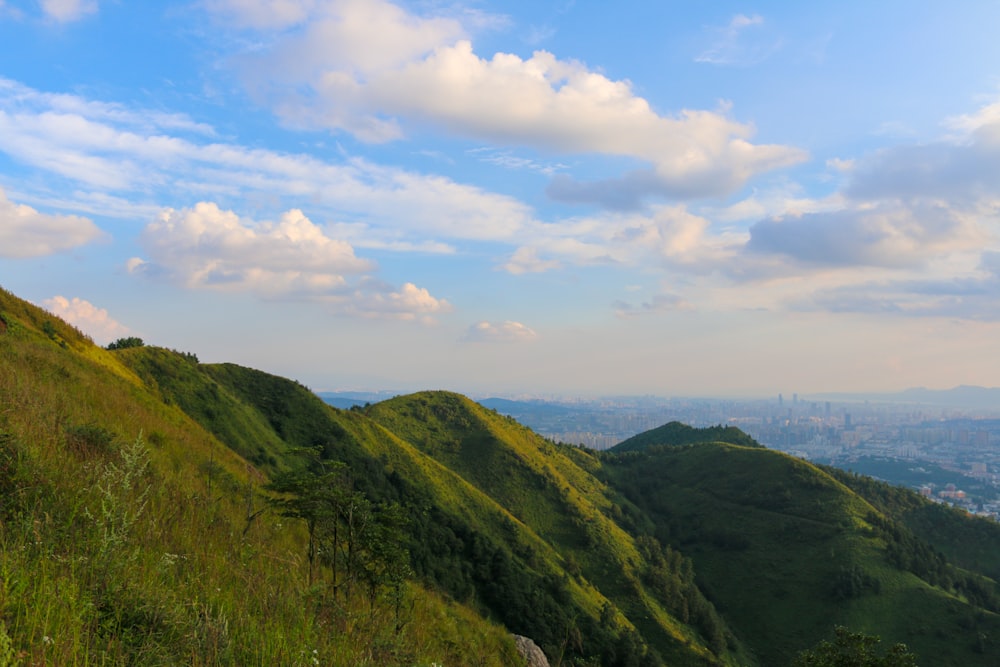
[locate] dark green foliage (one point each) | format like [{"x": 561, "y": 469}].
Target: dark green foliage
[
  {"x": 910, "y": 553},
  {"x": 359, "y": 541},
  {"x": 671, "y": 576},
  {"x": 675, "y": 434},
  {"x": 855, "y": 649},
  {"x": 214, "y": 405},
  {"x": 296, "y": 415},
  {"x": 125, "y": 343},
  {"x": 853, "y": 582},
  {"x": 971, "y": 543},
  {"x": 87, "y": 440}
]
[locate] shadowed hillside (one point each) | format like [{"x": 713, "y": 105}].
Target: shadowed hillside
[{"x": 785, "y": 551}]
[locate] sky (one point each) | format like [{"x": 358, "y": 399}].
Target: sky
[{"x": 515, "y": 198}]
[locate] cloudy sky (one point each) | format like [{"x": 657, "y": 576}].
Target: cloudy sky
[{"x": 680, "y": 198}]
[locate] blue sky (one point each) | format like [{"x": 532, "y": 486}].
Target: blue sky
[{"x": 569, "y": 198}]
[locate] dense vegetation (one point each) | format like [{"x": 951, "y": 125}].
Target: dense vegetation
[
  {"x": 157, "y": 510},
  {"x": 674, "y": 434},
  {"x": 129, "y": 535}
]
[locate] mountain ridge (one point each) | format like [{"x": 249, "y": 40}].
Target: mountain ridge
[{"x": 678, "y": 548}]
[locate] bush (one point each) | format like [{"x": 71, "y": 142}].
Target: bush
[{"x": 125, "y": 343}]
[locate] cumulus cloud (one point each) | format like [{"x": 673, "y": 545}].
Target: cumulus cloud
[
  {"x": 408, "y": 303},
  {"x": 668, "y": 236},
  {"x": 206, "y": 247},
  {"x": 887, "y": 236},
  {"x": 962, "y": 168},
  {"x": 24, "y": 232},
  {"x": 368, "y": 66},
  {"x": 499, "y": 332},
  {"x": 930, "y": 208},
  {"x": 87, "y": 317},
  {"x": 65, "y": 11}
]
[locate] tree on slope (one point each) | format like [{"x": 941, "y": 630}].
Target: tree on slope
[{"x": 854, "y": 649}]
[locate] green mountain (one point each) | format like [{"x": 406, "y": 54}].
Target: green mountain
[
  {"x": 131, "y": 535},
  {"x": 676, "y": 433},
  {"x": 157, "y": 510}
]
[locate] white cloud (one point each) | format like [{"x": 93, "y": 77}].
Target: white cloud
[
  {"x": 526, "y": 260},
  {"x": 208, "y": 248},
  {"x": 17, "y": 97},
  {"x": 408, "y": 303},
  {"x": 368, "y": 65},
  {"x": 24, "y": 232},
  {"x": 745, "y": 41},
  {"x": 111, "y": 149},
  {"x": 667, "y": 236},
  {"x": 87, "y": 317},
  {"x": 65, "y": 11},
  {"x": 888, "y": 235},
  {"x": 499, "y": 332}
]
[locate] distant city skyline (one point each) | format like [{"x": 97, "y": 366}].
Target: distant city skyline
[{"x": 570, "y": 198}]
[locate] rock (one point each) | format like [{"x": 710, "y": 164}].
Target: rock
[{"x": 529, "y": 651}]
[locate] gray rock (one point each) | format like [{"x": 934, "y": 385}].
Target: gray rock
[{"x": 529, "y": 651}]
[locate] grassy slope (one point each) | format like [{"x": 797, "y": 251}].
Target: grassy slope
[
  {"x": 381, "y": 465},
  {"x": 181, "y": 581},
  {"x": 121, "y": 549},
  {"x": 546, "y": 488},
  {"x": 770, "y": 537},
  {"x": 375, "y": 453},
  {"x": 969, "y": 542}
]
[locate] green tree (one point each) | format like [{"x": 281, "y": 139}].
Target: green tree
[
  {"x": 854, "y": 649},
  {"x": 317, "y": 499},
  {"x": 125, "y": 343}
]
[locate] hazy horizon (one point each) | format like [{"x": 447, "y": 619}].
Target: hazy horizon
[{"x": 551, "y": 197}]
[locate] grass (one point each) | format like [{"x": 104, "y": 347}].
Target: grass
[
  {"x": 125, "y": 536},
  {"x": 770, "y": 537},
  {"x": 135, "y": 529}
]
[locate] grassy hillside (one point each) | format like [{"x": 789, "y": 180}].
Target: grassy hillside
[
  {"x": 156, "y": 510},
  {"x": 537, "y": 554},
  {"x": 786, "y": 551},
  {"x": 127, "y": 535},
  {"x": 544, "y": 487}
]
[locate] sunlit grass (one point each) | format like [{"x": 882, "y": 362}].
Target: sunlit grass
[{"x": 126, "y": 535}]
